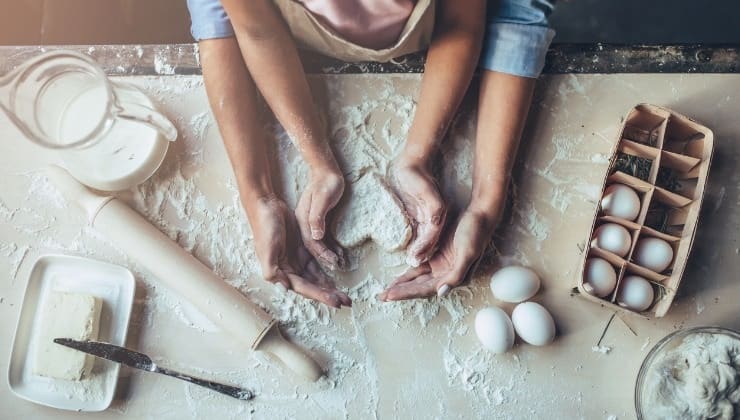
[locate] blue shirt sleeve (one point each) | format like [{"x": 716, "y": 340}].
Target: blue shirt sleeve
[
  {"x": 517, "y": 37},
  {"x": 209, "y": 20}
]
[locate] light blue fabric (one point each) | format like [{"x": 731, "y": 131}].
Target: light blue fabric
[
  {"x": 517, "y": 36},
  {"x": 209, "y": 20},
  {"x": 516, "y": 41}
]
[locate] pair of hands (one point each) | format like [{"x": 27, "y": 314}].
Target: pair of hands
[{"x": 290, "y": 245}]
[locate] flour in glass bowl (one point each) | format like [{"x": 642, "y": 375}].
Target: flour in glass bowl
[{"x": 699, "y": 378}]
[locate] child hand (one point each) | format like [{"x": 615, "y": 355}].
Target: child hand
[
  {"x": 322, "y": 194},
  {"x": 420, "y": 196},
  {"x": 454, "y": 262},
  {"x": 283, "y": 257}
]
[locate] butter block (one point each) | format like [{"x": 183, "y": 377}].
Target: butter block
[{"x": 66, "y": 315}]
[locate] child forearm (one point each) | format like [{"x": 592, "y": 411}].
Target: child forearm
[
  {"x": 502, "y": 111},
  {"x": 272, "y": 59},
  {"x": 233, "y": 99},
  {"x": 450, "y": 64}
]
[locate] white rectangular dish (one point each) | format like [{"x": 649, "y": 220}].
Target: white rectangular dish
[{"x": 115, "y": 287}]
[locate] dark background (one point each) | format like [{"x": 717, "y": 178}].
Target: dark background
[{"x": 24, "y": 22}]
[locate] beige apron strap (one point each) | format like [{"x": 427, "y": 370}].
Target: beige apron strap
[{"x": 312, "y": 34}]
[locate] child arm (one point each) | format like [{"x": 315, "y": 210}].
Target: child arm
[{"x": 272, "y": 60}]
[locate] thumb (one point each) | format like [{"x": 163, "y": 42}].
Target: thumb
[
  {"x": 321, "y": 204},
  {"x": 459, "y": 275}
]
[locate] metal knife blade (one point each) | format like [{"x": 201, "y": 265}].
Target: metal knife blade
[
  {"x": 112, "y": 352},
  {"x": 141, "y": 361}
]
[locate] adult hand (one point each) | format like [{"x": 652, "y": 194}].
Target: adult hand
[
  {"x": 283, "y": 257},
  {"x": 417, "y": 190},
  {"x": 461, "y": 247},
  {"x": 322, "y": 194}
]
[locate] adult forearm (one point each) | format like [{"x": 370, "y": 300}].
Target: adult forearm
[
  {"x": 502, "y": 111},
  {"x": 234, "y": 102},
  {"x": 272, "y": 59},
  {"x": 451, "y": 61}
]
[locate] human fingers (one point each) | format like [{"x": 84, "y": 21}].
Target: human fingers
[
  {"x": 315, "y": 273},
  {"x": 317, "y": 248},
  {"x": 430, "y": 215},
  {"x": 420, "y": 287},
  {"x": 311, "y": 290},
  {"x": 411, "y": 274},
  {"x": 323, "y": 199}
]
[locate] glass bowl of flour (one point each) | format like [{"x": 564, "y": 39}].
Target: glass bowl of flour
[{"x": 691, "y": 374}]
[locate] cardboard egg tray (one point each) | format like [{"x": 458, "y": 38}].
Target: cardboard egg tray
[{"x": 664, "y": 156}]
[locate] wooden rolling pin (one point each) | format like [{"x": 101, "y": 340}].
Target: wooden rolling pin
[{"x": 183, "y": 274}]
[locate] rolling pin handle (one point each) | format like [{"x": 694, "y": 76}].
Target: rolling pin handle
[{"x": 289, "y": 354}]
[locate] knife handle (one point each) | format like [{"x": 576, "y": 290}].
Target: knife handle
[{"x": 231, "y": 391}]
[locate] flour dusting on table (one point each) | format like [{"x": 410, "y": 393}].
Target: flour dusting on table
[{"x": 194, "y": 200}]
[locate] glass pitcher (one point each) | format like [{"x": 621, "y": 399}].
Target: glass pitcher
[{"x": 63, "y": 100}]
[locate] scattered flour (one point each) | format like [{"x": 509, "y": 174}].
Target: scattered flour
[
  {"x": 699, "y": 305},
  {"x": 366, "y": 135},
  {"x": 601, "y": 349},
  {"x": 92, "y": 389},
  {"x": 162, "y": 65},
  {"x": 371, "y": 211}
]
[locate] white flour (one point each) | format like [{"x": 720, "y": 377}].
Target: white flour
[
  {"x": 194, "y": 200},
  {"x": 91, "y": 388},
  {"x": 700, "y": 378},
  {"x": 370, "y": 210}
]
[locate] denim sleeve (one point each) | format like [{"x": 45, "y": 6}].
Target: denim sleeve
[
  {"x": 517, "y": 37},
  {"x": 209, "y": 20}
]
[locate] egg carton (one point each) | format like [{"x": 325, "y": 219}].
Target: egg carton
[{"x": 664, "y": 156}]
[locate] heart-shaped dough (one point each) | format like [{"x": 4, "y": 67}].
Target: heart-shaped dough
[{"x": 371, "y": 211}]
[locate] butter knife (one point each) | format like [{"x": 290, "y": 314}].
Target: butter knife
[{"x": 141, "y": 361}]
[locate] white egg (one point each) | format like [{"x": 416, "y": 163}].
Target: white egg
[
  {"x": 599, "y": 277},
  {"x": 635, "y": 293},
  {"x": 533, "y": 323},
  {"x": 653, "y": 253},
  {"x": 514, "y": 284},
  {"x": 621, "y": 201},
  {"x": 494, "y": 329},
  {"x": 613, "y": 238}
]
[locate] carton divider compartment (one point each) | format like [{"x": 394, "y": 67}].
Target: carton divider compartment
[
  {"x": 637, "y": 160},
  {"x": 620, "y": 275},
  {"x": 616, "y": 262},
  {"x": 686, "y": 137},
  {"x": 648, "y": 232},
  {"x": 679, "y": 173},
  {"x": 613, "y": 258},
  {"x": 673, "y": 241},
  {"x": 646, "y": 126},
  {"x": 667, "y": 212},
  {"x": 632, "y": 228},
  {"x": 678, "y": 162},
  {"x": 659, "y": 290},
  {"x": 643, "y": 189}
]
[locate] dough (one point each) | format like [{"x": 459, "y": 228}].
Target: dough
[
  {"x": 66, "y": 315},
  {"x": 372, "y": 211},
  {"x": 698, "y": 379}
]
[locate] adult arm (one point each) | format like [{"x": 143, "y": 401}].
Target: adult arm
[
  {"x": 504, "y": 100},
  {"x": 449, "y": 68}
]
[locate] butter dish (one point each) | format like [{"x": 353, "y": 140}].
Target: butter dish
[{"x": 114, "y": 286}]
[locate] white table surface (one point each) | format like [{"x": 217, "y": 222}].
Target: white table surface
[{"x": 414, "y": 361}]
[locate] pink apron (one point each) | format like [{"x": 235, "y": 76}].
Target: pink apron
[{"x": 310, "y": 33}]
